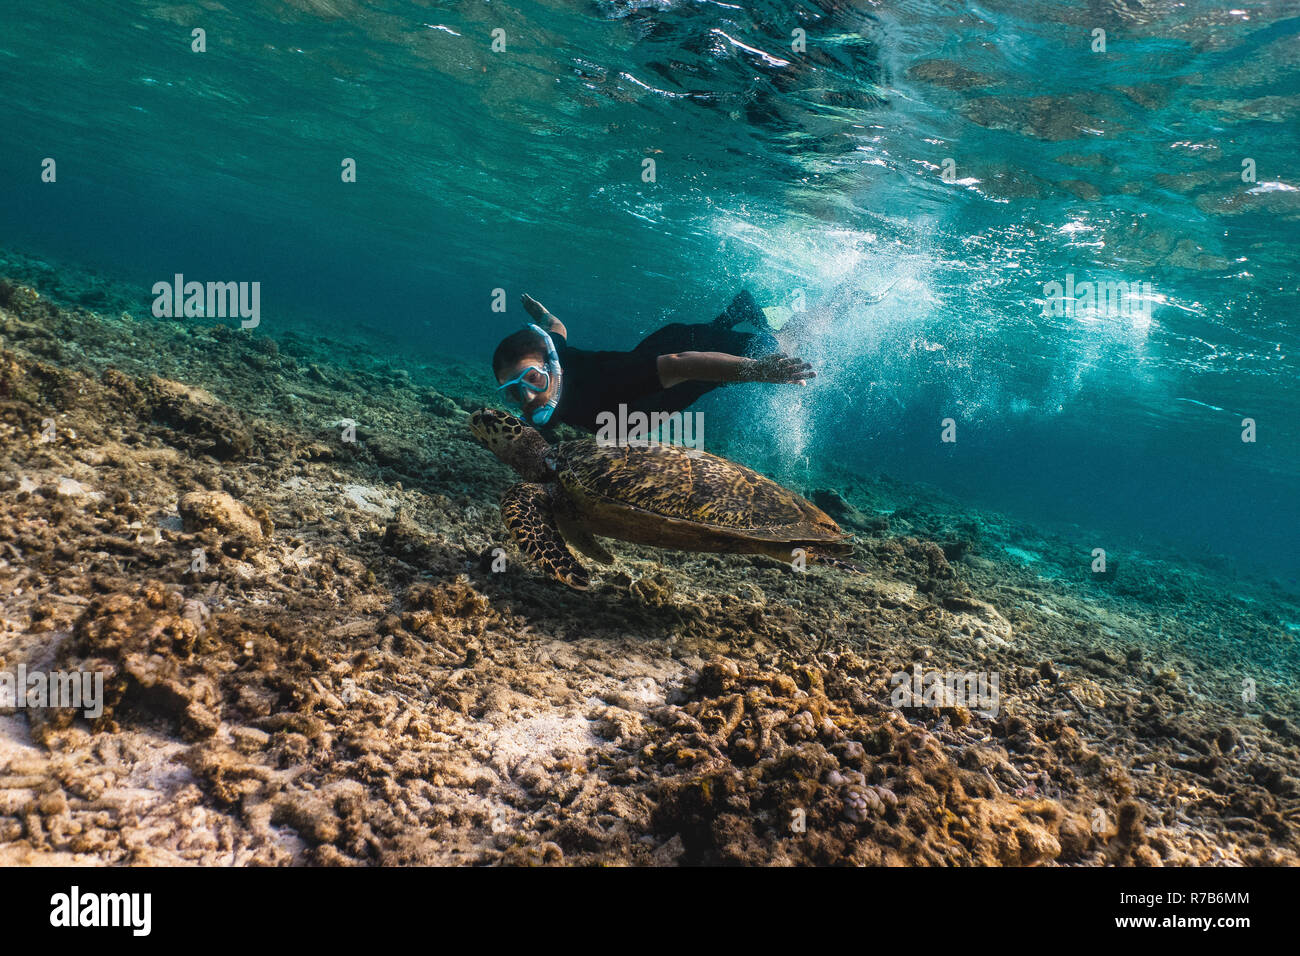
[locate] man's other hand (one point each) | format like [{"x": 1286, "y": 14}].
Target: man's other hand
[{"x": 777, "y": 368}]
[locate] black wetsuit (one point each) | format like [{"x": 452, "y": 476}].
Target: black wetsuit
[{"x": 596, "y": 382}]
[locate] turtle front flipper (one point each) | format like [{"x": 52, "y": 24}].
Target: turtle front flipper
[{"x": 530, "y": 516}]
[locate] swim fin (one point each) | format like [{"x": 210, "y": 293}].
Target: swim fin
[
  {"x": 776, "y": 316},
  {"x": 879, "y": 297},
  {"x": 743, "y": 308}
]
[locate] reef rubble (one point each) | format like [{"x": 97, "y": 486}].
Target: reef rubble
[{"x": 277, "y": 549}]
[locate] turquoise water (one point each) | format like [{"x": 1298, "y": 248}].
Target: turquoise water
[{"x": 816, "y": 174}]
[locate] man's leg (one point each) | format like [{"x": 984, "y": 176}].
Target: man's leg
[
  {"x": 677, "y": 337},
  {"x": 743, "y": 308},
  {"x": 676, "y": 399},
  {"x": 707, "y": 337}
]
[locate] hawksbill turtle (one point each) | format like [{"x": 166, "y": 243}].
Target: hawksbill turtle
[{"x": 665, "y": 496}]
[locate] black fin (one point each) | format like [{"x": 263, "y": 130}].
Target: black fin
[{"x": 743, "y": 308}]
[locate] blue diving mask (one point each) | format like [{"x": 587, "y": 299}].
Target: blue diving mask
[{"x": 534, "y": 380}]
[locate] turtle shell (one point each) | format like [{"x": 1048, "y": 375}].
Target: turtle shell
[{"x": 669, "y": 481}]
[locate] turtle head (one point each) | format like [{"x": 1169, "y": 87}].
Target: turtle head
[{"x": 521, "y": 447}]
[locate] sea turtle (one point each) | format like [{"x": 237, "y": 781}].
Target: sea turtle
[{"x": 666, "y": 496}]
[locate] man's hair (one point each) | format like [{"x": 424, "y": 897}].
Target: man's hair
[{"x": 516, "y": 346}]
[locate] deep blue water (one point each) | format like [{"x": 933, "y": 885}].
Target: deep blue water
[{"x": 819, "y": 170}]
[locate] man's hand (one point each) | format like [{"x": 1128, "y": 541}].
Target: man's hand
[
  {"x": 543, "y": 318},
  {"x": 534, "y": 308},
  {"x": 777, "y": 368}
]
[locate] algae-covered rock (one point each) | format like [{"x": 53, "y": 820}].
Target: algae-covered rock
[
  {"x": 217, "y": 511},
  {"x": 198, "y": 421}
]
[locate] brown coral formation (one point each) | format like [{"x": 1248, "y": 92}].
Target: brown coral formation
[{"x": 803, "y": 764}]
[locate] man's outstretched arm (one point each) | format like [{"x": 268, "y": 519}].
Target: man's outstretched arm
[
  {"x": 679, "y": 367},
  {"x": 543, "y": 318}
]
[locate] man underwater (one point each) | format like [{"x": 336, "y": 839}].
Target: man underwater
[{"x": 552, "y": 382}]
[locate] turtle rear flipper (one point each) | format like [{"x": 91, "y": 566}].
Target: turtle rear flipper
[
  {"x": 576, "y": 533},
  {"x": 528, "y": 513}
]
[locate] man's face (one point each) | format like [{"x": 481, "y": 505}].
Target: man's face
[{"x": 524, "y": 398}]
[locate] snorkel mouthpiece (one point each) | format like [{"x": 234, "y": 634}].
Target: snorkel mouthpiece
[{"x": 543, "y": 415}]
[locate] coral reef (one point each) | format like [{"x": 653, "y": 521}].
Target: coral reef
[{"x": 281, "y": 553}]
